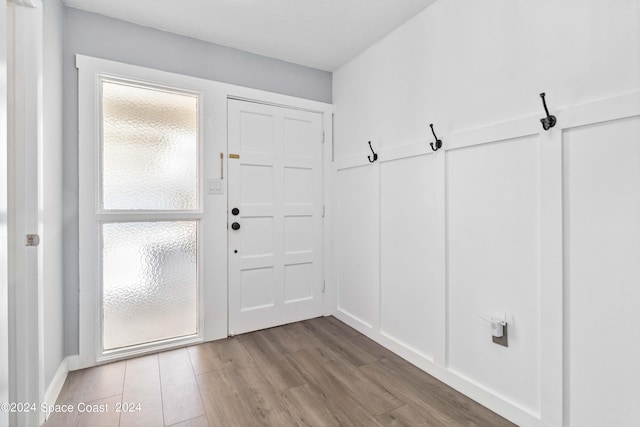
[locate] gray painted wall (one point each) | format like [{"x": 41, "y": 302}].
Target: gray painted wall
[{"x": 95, "y": 35}]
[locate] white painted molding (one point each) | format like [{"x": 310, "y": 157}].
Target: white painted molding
[
  {"x": 396, "y": 152},
  {"x": 352, "y": 320},
  {"x": 614, "y": 108},
  {"x": 27, "y": 3},
  {"x": 589, "y": 113},
  {"x": 399, "y": 152},
  {"x": 352, "y": 162},
  {"x": 54, "y": 389},
  {"x": 512, "y": 129},
  {"x": 74, "y": 364},
  {"x": 330, "y": 288}
]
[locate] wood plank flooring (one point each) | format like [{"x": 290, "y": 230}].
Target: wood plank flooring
[{"x": 319, "y": 372}]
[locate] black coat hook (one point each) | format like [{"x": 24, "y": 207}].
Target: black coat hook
[
  {"x": 438, "y": 141},
  {"x": 375, "y": 155},
  {"x": 549, "y": 121}
]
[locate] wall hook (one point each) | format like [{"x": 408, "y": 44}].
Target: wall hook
[
  {"x": 549, "y": 121},
  {"x": 375, "y": 155},
  {"x": 438, "y": 141}
]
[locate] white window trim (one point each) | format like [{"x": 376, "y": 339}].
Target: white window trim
[{"x": 212, "y": 235}]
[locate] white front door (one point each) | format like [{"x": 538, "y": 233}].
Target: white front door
[{"x": 275, "y": 215}]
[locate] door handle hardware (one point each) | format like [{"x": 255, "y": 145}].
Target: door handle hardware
[
  {"x": 549, "y": 121},
  {"x": 438, "y": 141},
  {"x": 235, "y": 226},
  {"x": 375, "y": 155},
  {"x": 235, "y": 211},
  {"x": 32, "y": 240},
  {"x": 234, "y": 156}
]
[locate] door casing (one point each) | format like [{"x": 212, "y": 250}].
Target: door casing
[{"x": 24, "y": 214}]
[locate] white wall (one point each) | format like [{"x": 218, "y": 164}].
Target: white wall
[
  {"x": 462, "y": 64},
  {"x": 504, "y": 219}
]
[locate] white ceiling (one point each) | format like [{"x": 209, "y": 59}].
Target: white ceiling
[{"x": 322, "y": 34}]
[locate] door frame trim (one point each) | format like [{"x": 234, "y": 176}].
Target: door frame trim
[{"x": 24, "y": 32}]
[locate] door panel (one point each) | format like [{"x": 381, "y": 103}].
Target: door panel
[{"x": 275, "y": 257}]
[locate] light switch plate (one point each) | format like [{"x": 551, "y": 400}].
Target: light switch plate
[{"x": 215, "y": 186}]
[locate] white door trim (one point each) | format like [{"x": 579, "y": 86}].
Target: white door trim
[
  {"x": 25, "y": 118},
  {"x": 4, "y": 187}
]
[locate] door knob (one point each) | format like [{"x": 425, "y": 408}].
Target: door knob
[
  {"x": 235, "y": 211},
  {"x": 235, "y": 226}
]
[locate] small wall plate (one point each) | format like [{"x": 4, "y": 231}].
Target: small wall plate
[
  {"x": 215, "y": 186},
  {"x": 503, "y": 339}
]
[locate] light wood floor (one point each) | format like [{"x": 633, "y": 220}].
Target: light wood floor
[{"x": 319, "y": 372}]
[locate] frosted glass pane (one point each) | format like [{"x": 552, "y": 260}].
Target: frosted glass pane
[
  {"x": 149, "y": 148},
  {"x": 149, "y": 284}
]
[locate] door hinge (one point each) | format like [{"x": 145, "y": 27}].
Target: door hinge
[
  {"x": 323, "y": 137},
  {"x": 324, "y": 210},
  {"x": 32, "y": 240},
  {"x": 324, "y": 286}
]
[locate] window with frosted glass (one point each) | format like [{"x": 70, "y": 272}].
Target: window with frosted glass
[
  {"x": 149, "y": 289},
  {"x": 149, "y": 148}
]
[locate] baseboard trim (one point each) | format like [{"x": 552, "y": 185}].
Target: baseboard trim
[
  {"x": 73, "y": 363},
  {"x": 471, "y": 389},
  {"x": 55, "y": 387}
]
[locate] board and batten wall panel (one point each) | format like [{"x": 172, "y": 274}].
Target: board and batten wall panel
[
  {"x": 602, "y": 292},
  {"x": 540, "y": 227},
  {"x": 476, "y": 76},
  {"x": 410, "y": 249},
  {"x": 493, "y": 241},
  {"x": 357, "y": 241}
]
